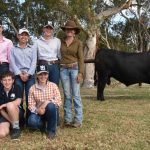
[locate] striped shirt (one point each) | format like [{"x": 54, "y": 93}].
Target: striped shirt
[
  {"x": 23, "y": 59},
  {"x": 38, "y": 94}
]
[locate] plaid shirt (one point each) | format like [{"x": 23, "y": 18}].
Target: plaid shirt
[{"x": 38, "y": 94}]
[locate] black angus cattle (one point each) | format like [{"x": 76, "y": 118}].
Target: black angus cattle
[{"x": 128, "y": 68}]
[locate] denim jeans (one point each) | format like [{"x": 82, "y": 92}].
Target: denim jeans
[
  {"x": 25, "y": 86},
  {"x": 36, "y": 121},
  {"x": 71, "y": 93},
  {"x": 54, "y": 74}
]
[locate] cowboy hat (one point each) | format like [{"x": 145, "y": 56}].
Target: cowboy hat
[{"x": 71, "y": 25}]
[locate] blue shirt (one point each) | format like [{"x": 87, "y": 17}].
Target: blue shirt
[{"x": 23, "y": 59}]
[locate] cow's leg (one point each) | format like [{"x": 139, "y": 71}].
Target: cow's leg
[{"x": 102, "y": 80}]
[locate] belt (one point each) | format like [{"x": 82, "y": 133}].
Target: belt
[
  {"x": 69, "y": 65},
  {"x": 3, "y": 62},
  {"x": 48, "y": 62}
]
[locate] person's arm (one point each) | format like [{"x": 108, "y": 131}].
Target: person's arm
[
  {"x": 31, "y": 102},
  {"x": 9, "y": 47},
  {"x": 58, "y": 49},
  {"x": 17, "y": 102},
  {"x": 13, "y": 66},
  {"x": 34, "y": 62},
  {"x": 80, "y": 62},
  {"x": 56, "y": 97},
  {"x": 2, "y": 106}
]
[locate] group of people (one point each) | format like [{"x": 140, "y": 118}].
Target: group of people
[{"x": 36, "y": 70}]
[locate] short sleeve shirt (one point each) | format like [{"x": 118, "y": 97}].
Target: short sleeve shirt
[{"x": 12, "y": 95}]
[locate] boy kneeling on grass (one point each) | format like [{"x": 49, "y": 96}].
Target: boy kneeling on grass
[
  {"x": 10, "y": 100},
  {"x": 44, "y": 101}
]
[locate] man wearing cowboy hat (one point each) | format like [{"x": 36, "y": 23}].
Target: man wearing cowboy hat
[{"x": 71, "y": 73}]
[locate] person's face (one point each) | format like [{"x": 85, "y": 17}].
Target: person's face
[
  {"x": 42, "y": 78},
  {"x": 48, "y": 31},
  {"x": 69, "y": 32},
  {"x": 23, "y": 37},
  {"x": 7, "y": 82}
]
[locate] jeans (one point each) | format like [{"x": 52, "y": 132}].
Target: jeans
[
  {"x": 54, "y": 74},
  {"x": 25, "y": 85},
  {"x": 36, "y": 121},
  {"x": 71, "y": 92}
]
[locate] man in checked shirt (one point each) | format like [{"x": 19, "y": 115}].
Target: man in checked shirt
[{"x": 44, "y": 101}]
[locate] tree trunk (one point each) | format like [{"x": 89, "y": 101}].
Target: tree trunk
[{"x": 89, "y": 52}]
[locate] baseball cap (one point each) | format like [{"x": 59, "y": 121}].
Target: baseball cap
[
  {"x": 48, "y": 25},
  {"x": 41, "y": 69},
  {"x": 23, "y": 30}
]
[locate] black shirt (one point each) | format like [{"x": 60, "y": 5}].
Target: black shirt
[{"x": 12, "y": 95}]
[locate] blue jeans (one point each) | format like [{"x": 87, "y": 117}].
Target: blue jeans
[
  {"x": 36, "y": 121},
  {"x": 71, "y": 92},
  {"x": 54, "y": 74},
  {"x": 25, "y": 86}
]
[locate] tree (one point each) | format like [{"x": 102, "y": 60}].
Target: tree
[{"x": 89, "y": 14}]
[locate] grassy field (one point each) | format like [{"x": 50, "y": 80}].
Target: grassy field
[{"x": 121, "y": 122}]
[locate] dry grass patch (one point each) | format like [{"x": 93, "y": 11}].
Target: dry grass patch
[{"x": 122, "y": 122}]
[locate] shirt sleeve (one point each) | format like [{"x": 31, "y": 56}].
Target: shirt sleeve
[
  {"x": 57, "y": 97},
  {"x": 80, "y": 58},
  {"x": 58, "y": 49},
  {"x": 31, "y": 100},
  {"x": 10, "y": 45},
  {"x": 18, "y": 92},
  {"x": 12, "y": 64},
  {"x": 34, "y": 61}
]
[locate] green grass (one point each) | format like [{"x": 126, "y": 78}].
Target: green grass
[{"x": 121, "y": 122}]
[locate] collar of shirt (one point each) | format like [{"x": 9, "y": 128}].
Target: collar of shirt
[
  {"x": 20, "y": 47},
  {"x": 74, "y": 41},
  {"x": 40, "y": 87},
  {"x": 43, "y": 39},
  {"x": 12, "y": 88}
]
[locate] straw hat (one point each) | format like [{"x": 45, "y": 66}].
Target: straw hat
[{"x": 71, "y": 25}]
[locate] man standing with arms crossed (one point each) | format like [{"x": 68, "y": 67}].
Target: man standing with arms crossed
[{"x": 23, "y": 60}]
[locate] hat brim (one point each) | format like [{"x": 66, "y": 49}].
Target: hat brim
[
  {"x": 48, "y": 26},
  {"x": 41, "y": 72},
  {"x": 77, "y": 29},
  {"x": 24, "y": 32}
]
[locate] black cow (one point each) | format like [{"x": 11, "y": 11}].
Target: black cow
[{"x": 128, "y": 68}]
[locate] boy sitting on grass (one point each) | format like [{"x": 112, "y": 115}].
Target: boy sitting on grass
[{"x": 10, "y": 100}]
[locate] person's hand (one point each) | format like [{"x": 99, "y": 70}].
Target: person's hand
[
  {"x": 79, "y": 77},
  {"x": 2, "y": 106},
  {"x": 24, "y": 76},
  {"x": 41, "y": 111}
]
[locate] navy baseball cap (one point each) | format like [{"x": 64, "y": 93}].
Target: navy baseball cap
[{"x": 41, "y": 69}]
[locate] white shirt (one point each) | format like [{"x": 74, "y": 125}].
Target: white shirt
[{"x": 48, "y": 50}]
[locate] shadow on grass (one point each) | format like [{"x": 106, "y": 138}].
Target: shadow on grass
[{"x": 127, "y": 97}]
